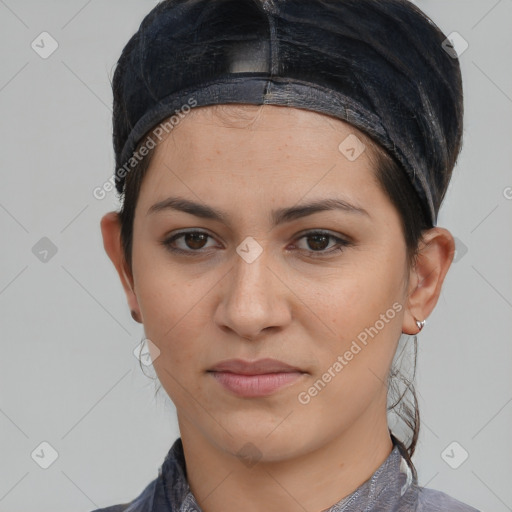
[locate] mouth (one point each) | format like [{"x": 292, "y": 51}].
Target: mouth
[{"x": 255, "y": 378}]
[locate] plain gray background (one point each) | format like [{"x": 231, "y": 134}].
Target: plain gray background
[{"x": 68, "y": 376}]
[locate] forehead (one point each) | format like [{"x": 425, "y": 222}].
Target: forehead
[
  {"x": 261, "y": 152},
  {"x": 238, "y": 130},
  {"x": 267, "y": 117}
]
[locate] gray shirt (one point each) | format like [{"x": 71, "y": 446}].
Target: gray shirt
[{"x": 392, "y": 488}]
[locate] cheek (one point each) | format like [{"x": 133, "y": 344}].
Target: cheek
[
  {"x": 160, "y": 287},
  {"x": 171, "y": 311},
  {"x": 173, "y": 307},
  {"x": 364, "y": 312},
  {"x": 355, "y": 297}
]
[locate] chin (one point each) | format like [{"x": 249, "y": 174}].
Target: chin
[{"x": 262, "y": 442}]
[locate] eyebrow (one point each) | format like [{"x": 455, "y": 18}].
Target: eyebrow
[{"x": 279, "y": 216}]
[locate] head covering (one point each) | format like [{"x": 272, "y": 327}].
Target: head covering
[{"x": 377, "y": 64}]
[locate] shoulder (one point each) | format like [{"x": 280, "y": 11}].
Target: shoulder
[
  {"x": 430, "y": 500},
  {"x": 142, "y": 503}
]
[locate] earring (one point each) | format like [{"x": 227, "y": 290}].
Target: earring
[{"x": 420, "y": 324}]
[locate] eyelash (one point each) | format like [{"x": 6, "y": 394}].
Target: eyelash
[{"x": 341, "y": 243}]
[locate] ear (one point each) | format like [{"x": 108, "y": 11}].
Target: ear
[
  {"x": 111, "y": 232},
  {"x": 436, "y": 252}
]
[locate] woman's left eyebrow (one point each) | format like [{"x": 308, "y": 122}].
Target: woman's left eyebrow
[{"x": 279, "y": 216}]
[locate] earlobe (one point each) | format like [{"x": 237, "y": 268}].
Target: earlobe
[
  {"x": 111, "y": 232},
  {"x": 435, "y": 256}
]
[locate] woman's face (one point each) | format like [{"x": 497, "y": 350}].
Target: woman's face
[{"x": 259, "y": 283}]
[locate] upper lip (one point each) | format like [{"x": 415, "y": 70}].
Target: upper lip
[{"x": 257, "y": 367}]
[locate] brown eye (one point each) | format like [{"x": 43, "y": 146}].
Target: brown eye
[
  {"x": 192, "y": 241},
  {"x": 195, "y": 240},
  {"x": 318, "y": 242}
]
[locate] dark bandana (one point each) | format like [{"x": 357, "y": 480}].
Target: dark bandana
[{"x": 379, "y": 65}]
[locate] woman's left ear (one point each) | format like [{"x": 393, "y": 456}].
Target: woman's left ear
[
  {"x": 435, "y": 255},
  {"x": 111, "y": 232}
]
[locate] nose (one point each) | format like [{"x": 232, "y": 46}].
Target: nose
[{"x": 254, "y": 299}]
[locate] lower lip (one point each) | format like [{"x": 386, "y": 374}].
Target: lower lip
[{"x": 255, "y": 385}]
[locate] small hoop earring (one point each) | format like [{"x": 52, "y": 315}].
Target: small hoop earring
[{"x": 420, "y": 324}]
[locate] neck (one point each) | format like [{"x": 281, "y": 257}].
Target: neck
[{"x": 315, "y": 480}]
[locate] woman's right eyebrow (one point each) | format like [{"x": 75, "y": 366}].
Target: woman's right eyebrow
[{"x": 279, "y": 216}]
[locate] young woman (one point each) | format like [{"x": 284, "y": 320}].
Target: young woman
[{"x": 281, "y": 166}]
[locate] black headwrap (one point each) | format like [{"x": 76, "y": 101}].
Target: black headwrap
[{"x": 378, "y": 64}]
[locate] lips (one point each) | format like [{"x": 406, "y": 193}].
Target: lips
[
  {"x": 258, "y": 367},
  {"x": 251, "y": 379}
]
